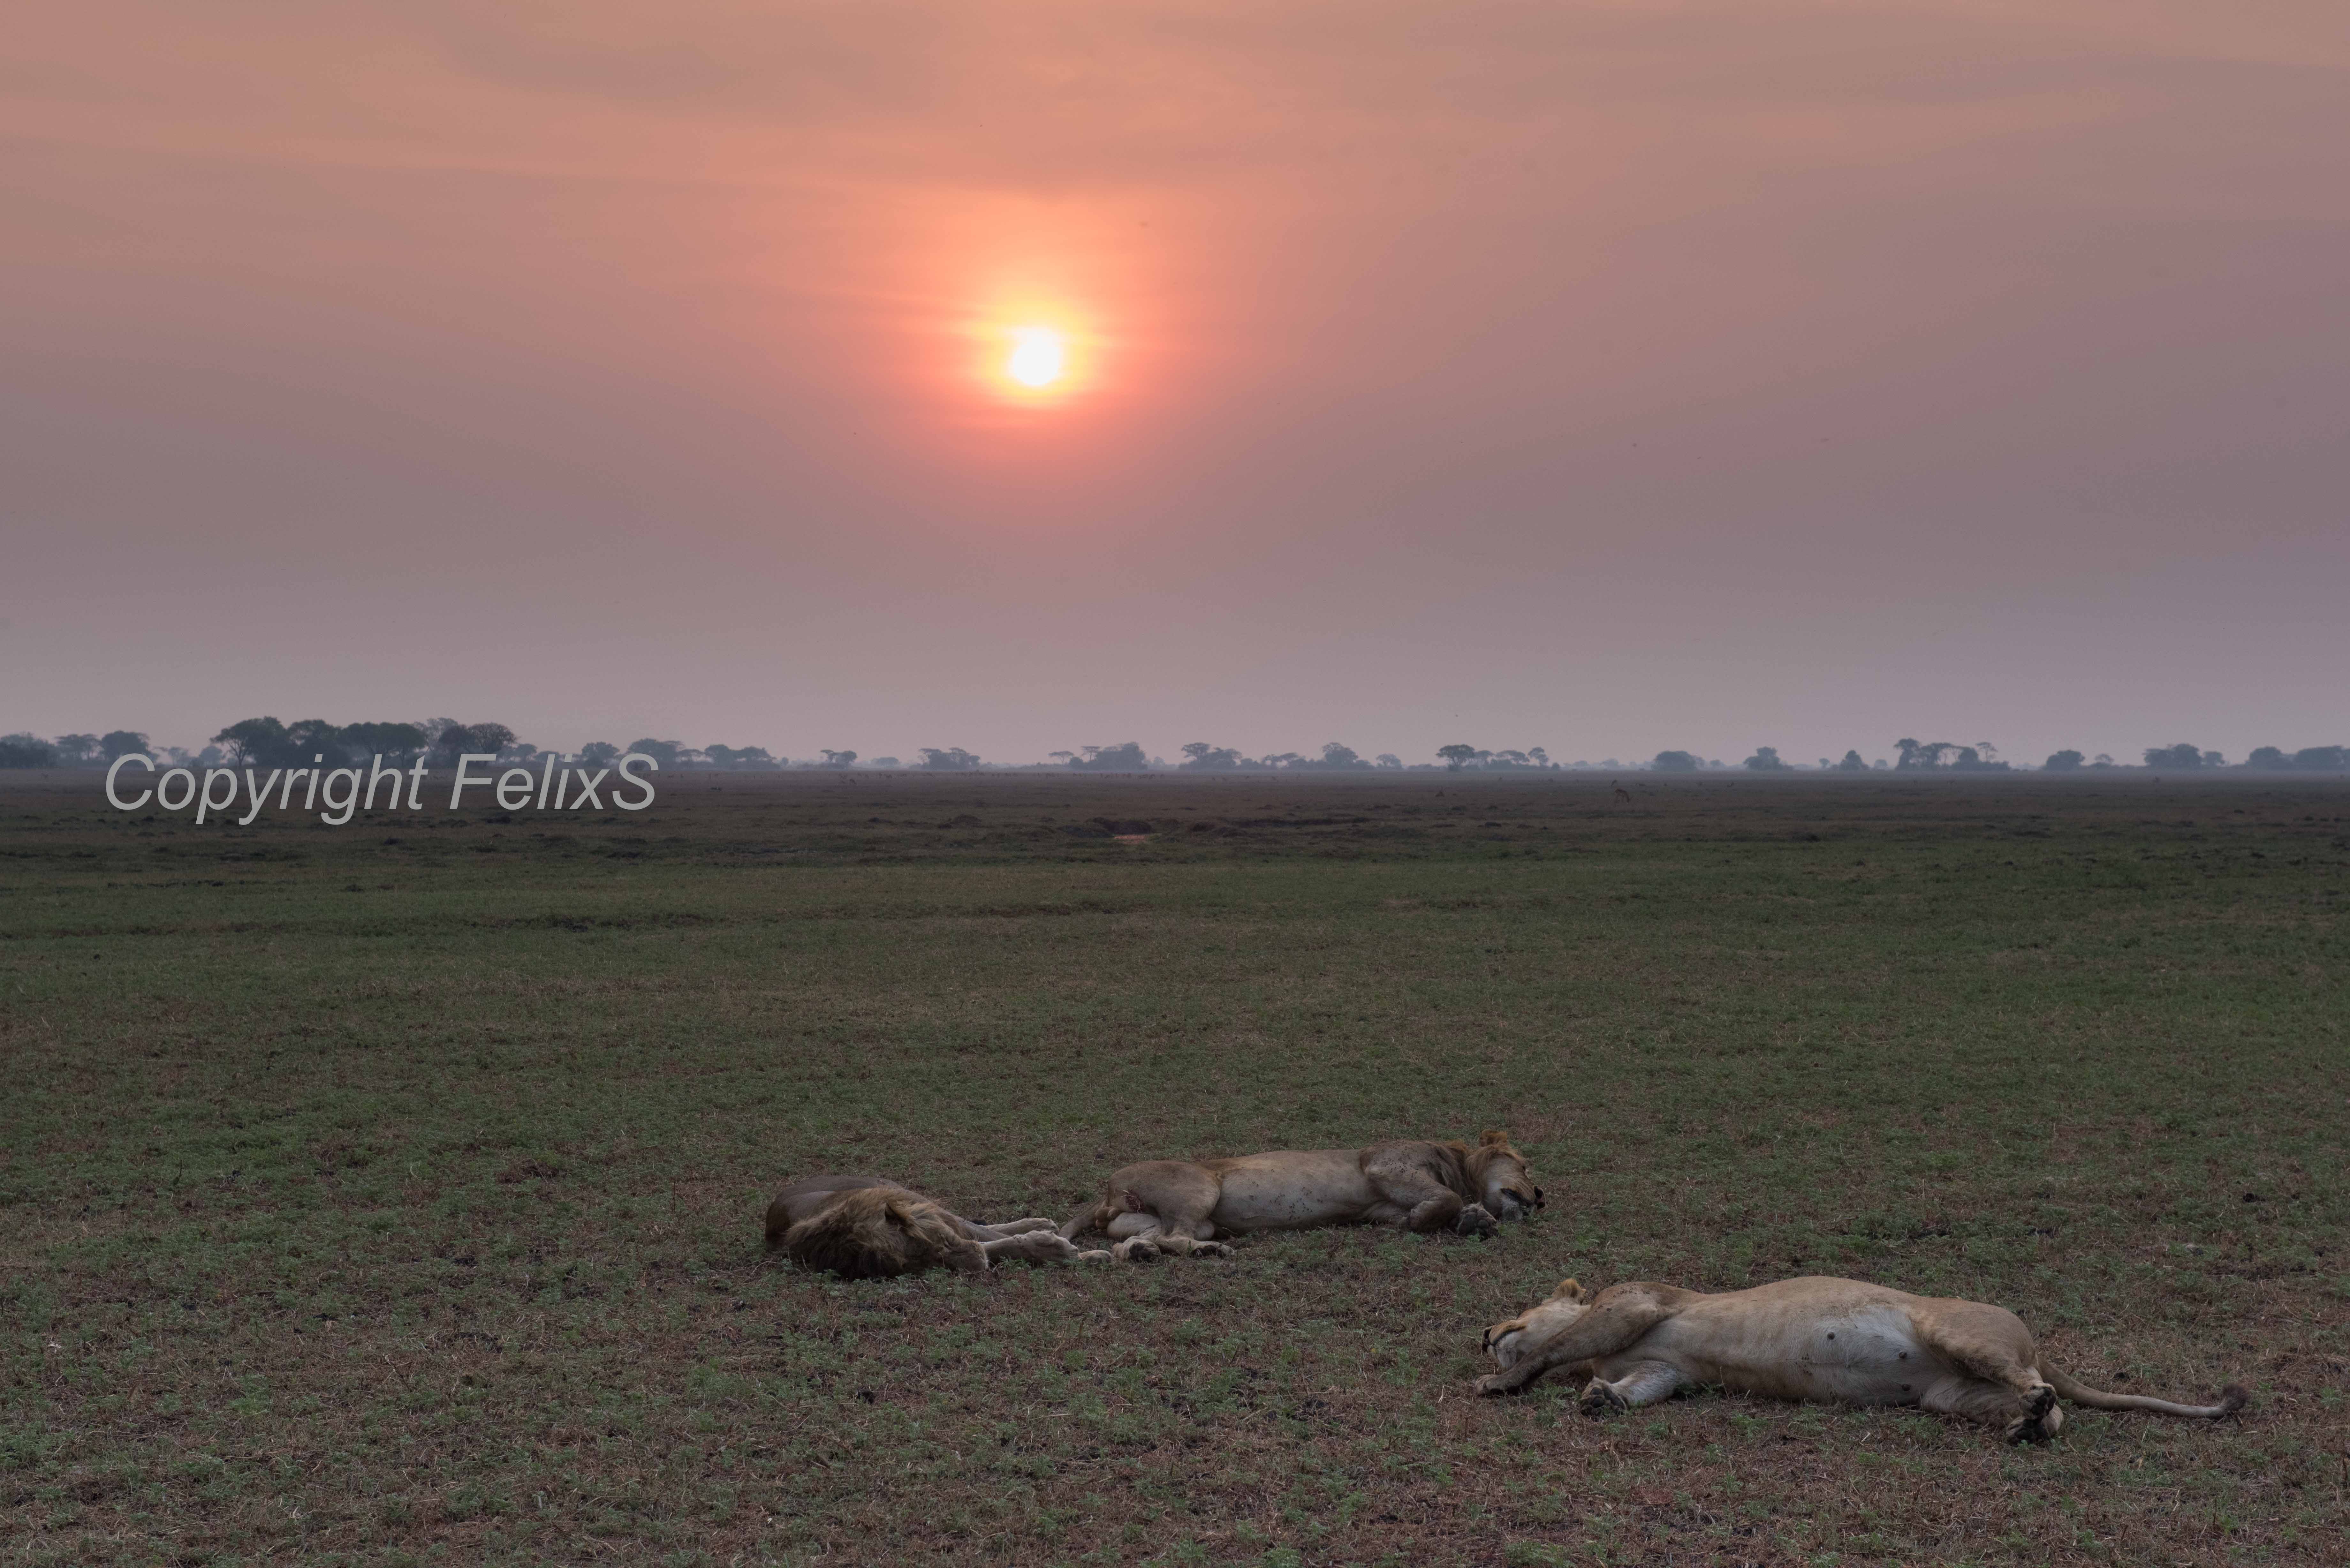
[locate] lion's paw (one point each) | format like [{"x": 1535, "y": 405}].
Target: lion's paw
[
  {"x": 1477, "y": 1220},
  {"x": 1598, "y": 1400},
  {"x": 1097, "y": 1255},
  {"x": 1211, "y": 1250},
  {"x": 2040, "y": 1418},
  {"x": 1493, "y": 1383},
  {"x": 1137, "y": 1249}
]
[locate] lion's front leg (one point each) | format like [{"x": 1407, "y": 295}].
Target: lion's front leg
[
  {"x": 1416, "y": 1201},
  {"x": 981, "y": 1232},
  {"x": 1022, "y": 1227},
  {"x": 1410, "y": 1195},
  {"x": 1646, "y": 1383},
  {"x": 1044, "y": 1246},
  {"x": 1476, "y": 1219},
  {"x": 1613, "y": 1324},
  {"x": 1443, "y": 1210}
]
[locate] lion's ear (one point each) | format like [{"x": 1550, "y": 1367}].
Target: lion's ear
[
  {"x": 1494, "y": 1135},
  {"x": 1575, "y": 1290}
]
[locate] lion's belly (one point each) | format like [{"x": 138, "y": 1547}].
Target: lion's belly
[
  {"x": 1288, "y": 1188},
  {"x": 1862, "y": 1353}
]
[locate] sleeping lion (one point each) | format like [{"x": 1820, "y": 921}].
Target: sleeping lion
[
  {"x": 868, "y": 1227},
  {"x": 1814, "y": 1339},
  {"x": 1180, "y": 1206}
]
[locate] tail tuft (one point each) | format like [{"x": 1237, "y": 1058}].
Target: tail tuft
[{"x": 2234, "y": 1397}]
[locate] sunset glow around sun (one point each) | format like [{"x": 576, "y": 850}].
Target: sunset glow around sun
[{"x": 1039, "y": 356}]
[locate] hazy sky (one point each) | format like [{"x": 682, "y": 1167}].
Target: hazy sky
[{"x": 1600, "y": 377}]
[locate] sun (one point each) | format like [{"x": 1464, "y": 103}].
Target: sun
[
  {"x": 1035, "y": 352},
  {"x": 1040, "y": 357}
]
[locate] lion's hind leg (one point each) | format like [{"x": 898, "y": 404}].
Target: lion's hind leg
[
  {"x": 1145, "y": 1236},
  {"x": 1996, "y": 1378},
  {"x": 1173, "y": 1215},
  {"x": 1142, "y": 1246},
  {"x": 2021, "y": 1418}
]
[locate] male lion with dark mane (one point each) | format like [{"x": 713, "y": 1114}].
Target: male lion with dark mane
[
  {"x": 1814, "y": 1339},
  {"x": 1178, "y": 1206},
  {"x": 868, "y": 1227}
]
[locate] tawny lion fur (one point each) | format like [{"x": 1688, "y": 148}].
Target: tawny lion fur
[
  {"x": 868, "y": 1227},
  {"x": 1814, "y": 1339},
  {"x": 1180, "y": 1206}
]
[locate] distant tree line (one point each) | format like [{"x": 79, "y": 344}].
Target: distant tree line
[
  {"x": 270, "y": 742},
  {"x": 1123, "y": 758},
  {"x": 266, "y": 743},
  {"x": 2309, "y": 759},
  {"x": 1982, "y": 757},
  {"x": 1201, "y": 757},
  {"x": 2185, "y": 757},
  {"x": 28, "y": 751}
]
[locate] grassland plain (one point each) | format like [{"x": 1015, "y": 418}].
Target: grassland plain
[{"x": 391, "y": 1194}]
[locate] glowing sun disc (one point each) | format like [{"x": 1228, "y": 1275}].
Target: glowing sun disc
[{"x": 1038, "y": 356}]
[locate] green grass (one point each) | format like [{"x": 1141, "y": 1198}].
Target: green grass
[{"x": 391, "y": 1194}]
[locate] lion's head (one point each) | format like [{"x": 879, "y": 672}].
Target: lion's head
[
  {"x": 1507, "y": 1342},
  {"x": 876, "y": 1231},
  {"x": 1506, "y": 1185}
]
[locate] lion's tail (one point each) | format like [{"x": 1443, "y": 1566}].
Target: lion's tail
[
  {"x": 2232, "y": 1398},
  {"x": 1089, "y": 1218}
]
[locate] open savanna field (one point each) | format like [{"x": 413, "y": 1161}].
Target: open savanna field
[{"x": 392, "y": 1193}]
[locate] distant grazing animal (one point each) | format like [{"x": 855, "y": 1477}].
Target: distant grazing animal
[
  {"x": 1178, "y": 1205},
  {"x": 869, "y": 1227},
  {"x": 1814, "y": 1339},
  {"x": 1623, "y": 795}
]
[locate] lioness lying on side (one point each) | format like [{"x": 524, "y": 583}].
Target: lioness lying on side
[
  {"x": 868, "y": 1227},
  {"x": 1817, "y": 1339},
  {"x": 1178, "y": 1206}
]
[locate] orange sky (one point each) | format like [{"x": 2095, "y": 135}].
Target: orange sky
[{"x": 1602, "y": 377}]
